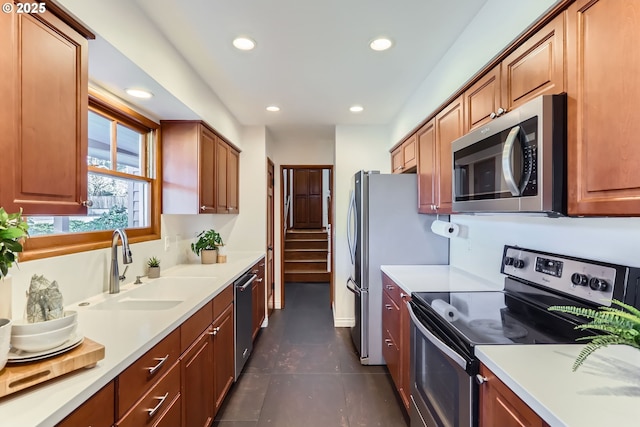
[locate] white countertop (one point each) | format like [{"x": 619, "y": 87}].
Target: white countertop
[
  {"x": 126, "y": 335},
  {"x": 604, "y": 391},
  {"x": 437, "y": 278}
]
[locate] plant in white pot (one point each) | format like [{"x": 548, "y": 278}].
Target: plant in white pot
[
  {"x": 153, "y": 264},
  {"x": 207, "y": 246},
  {"x": 13, "y": 230}
]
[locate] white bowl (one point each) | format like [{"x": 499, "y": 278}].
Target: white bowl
[
  {"x": 23, "y": 327},
  {"x": 44, "y": 341},
  {"x": 5, "y": 339}
]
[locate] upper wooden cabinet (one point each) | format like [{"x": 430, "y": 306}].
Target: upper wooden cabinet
[
  {"x": 199, "y": 170},
  {"x": 404, "y": 157},
  {"x": 535, "y": 68},
  {"x": 435, "y": 161},
  {"x": 482, "y": 100},
  {"x": 449, "y": 124},
  {"x": 227, "y": 162},
  {"x": 603, "y": 88},
  {"x": 44, "y": 114}
]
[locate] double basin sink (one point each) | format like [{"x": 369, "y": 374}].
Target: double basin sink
[{"x": 158, "y": 294}]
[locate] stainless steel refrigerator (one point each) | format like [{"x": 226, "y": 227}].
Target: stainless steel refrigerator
[{"x": 384, "y": 227}]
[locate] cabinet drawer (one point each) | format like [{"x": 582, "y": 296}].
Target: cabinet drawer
[
  {"x": 140, "y": 376},
  {"x": 160, "y": 399},
  {"x": 390, "y": 317},
  {"x": 391, "y": 354},
  {"x": 222, "y": 301},
  {"x": 97, "y": 411},
  {"x": 394, "y": 291},
  {"x": 191, "y": 329}
]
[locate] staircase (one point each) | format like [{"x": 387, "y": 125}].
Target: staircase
[{"x": 305, "y": 256}]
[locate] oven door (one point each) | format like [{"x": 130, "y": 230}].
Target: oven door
[{"x": 443, "y": 394}]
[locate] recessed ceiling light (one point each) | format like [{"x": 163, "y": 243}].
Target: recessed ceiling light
[
  {"x": 244, "y": 43},
  {"x": 356, "y": 108},
  {"x": 273, "y": 108},
  {"x": 139, "y": 93},
  {"x": 381, "y": 43}
]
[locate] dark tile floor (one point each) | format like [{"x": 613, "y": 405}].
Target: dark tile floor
[{"x": 305, "y": 373}]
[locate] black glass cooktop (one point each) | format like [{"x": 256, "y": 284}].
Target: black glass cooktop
[{"x": 493, "y": 318}]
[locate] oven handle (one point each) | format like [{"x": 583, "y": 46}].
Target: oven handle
[
  {"x": 435, "y": 341},
  {"x": 507, "y": 153}
]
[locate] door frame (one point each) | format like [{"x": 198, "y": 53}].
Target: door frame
[
  {"x": 330, "y": 221},
  {"x": 270, "y": 272}
]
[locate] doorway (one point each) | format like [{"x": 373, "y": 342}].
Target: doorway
[{"x": 306, "y": 226}]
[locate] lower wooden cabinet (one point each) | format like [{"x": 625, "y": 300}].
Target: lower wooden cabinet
[
  {"x": 156, "y": 403},
  {"x": 223, "y": 356},
  {"x": 97, "y": 411},
  {"x": 499, "y": 406},
  {"x": 258, "y": 294},
  {"x": 396, "y": 336},
  {"x": 196, "y": 366}
]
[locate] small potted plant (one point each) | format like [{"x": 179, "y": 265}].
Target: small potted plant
[
  {"x": 618, "y": 325},
  {"x": 207, "y": 246},
  {"x": 154, "y": 268},
  {"x": 12, "y": 231}
]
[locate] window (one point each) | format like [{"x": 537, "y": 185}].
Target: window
[{"x": 122, "y": 186}]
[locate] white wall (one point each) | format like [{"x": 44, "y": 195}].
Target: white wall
[
  {"x": 497, "y": 24},
  {"x": 289, "y": 151},
  {"x": 615, "y": 240},
  {"x": 356, "y": 148}
]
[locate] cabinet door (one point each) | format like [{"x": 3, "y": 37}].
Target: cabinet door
[
  {"x": 482, "y": 100},
  {"x": 223, "y": 356},
  {"x": 197, "y": 383},
  {"x": 536, "y": 67},
  {"x": 397, "y": 161},
  {"x": 449, "y": 127},
  {"x": 97, "y": 411},
  {"x": 405, "y": 352},
  {"x": 233, "y": 181},
  {"x": 603, "y": 88},
  {"x": 427, "y": 168},
  {"x": 409, "y": 153},
  {"x": 222, "y": 175},
  {"x": 499, "y": 406},
  {"x": 207, "y": 174},
  {"x": 44, "y": 100}
]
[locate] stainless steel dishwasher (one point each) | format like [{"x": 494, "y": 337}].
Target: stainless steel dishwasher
[{"x": 243, "y": 320}]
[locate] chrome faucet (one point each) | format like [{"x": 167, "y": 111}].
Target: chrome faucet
[{"x": 114, "y": 275}]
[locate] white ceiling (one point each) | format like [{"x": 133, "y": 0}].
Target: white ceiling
[{"x": 312, "y": 57}]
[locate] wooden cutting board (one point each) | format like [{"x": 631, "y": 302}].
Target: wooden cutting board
[{"x": 16, "y": 377}]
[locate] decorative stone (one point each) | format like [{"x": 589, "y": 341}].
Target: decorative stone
[{"x": 44, "y": 300}]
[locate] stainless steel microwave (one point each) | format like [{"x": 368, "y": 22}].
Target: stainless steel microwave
[{"x": 516, "y": 163}]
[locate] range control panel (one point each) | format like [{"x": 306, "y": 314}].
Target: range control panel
[{"x": 589, "y": 280}]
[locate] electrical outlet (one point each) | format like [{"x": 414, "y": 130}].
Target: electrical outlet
[{"x": 167, "y": 244}]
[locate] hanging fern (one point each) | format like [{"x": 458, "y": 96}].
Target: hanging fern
[{"x": 620, "y": 325}]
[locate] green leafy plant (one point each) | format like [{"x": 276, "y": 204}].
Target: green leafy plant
[
  {"x": 12, "y": 231},
  {"x": 208, "y": 240},
  {"x": 620, "y": 326},
  {"x": 153, "y": 262}
]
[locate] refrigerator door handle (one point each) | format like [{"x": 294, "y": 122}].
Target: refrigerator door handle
[
  {"x": 350, "y": 237},
  {"x": 354, "y": 289}
]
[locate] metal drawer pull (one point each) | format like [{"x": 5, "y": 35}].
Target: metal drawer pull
[
  {"x": 389, "y": 343},
  {"x": 388, "y": 306},
  {"x": 480, "y": 379},
  {"x": 161, "y": 360},
  {"x": 203, "y": 208},
  {"x": 389, "y": 287},
  {"x": 215, "y": 331},
  {"x": 402, "y": 295},
  {"x": 153, "y": 411},
  {"x": 259, "y": 280}
]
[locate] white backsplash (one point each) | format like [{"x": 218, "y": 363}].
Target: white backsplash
[{"x": 479, "y": 247}]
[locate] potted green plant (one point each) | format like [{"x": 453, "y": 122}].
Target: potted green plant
[
  {"x": 207, "y": 246},
  {"x": 153, "y": 271},
  {"x": 12, "y": 231},
  {"x": 620, "y": 326}
]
